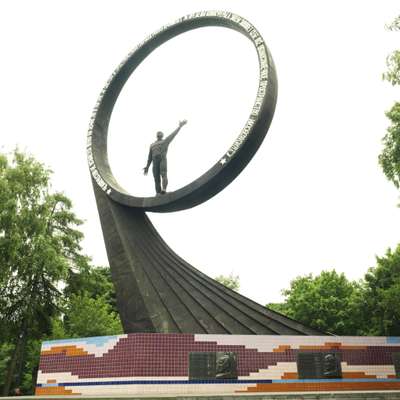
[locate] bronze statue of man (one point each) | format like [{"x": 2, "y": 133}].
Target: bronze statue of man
[{"x": 158, "y": 156}]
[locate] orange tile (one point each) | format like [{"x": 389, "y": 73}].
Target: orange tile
[
  {"x": 332, "y": 345},
  {"x": 282, "y": 348},
  {"x": 355, "y": 375},
  {"x": 290, "y": 375},
  {"x": 67, "y": 350},
  {"x": 321, "y": 387},
  {"x": 53, "y": 390}
]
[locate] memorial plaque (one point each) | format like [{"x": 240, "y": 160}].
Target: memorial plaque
[
  {"x": 331, "y": 367},
  {"x": 202, "y": 365},
  {"x": 226, "y": 365},
  {"x": 309, "y": 365},
  {"x": 318, "y": 366},
  {"x": 396, "y": 362},
  {"x": 212, "y": 365}
]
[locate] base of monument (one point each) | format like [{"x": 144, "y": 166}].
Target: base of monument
[
  {"x": 158, "y": 365},
  {"x": 351, "y": 395}
]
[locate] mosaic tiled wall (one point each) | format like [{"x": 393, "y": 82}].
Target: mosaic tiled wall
[{"x": 159, "y": 364}]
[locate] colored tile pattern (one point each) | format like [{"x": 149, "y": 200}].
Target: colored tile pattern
[{"x": 159, "y": 364}]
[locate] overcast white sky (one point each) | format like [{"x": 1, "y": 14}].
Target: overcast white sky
[{"x": 312, "y": 198}]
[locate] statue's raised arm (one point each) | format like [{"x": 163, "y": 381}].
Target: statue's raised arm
[{"x": 170, "y": 137}]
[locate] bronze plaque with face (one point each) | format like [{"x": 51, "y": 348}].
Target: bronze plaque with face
[
  {"x": 212, "y": 365},
  {"x": 226, "y": 365},
  {"x": 311, "y": 365}
]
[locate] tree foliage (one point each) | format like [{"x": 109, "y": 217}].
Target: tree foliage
[
  {"x": 231, "y": 281},
  {"x": 88, "y": 316},
  {"x": 39, "y": 242},
  {"x": 327, "y": 302},
  {"x": 382, "y": 295},
  {"x": 394, "y": 25},
  {"x": 392, "y": 74},
  {"x": 43, "y": 274},
  {"x": 91, "y": 304},
  {"x": 389, "y": 159},
  {"x": 94, "y": 281},
  {"x": 331, "y": 303}
]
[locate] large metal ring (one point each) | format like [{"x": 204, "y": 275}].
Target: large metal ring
[{"x": 230, "y": 164}]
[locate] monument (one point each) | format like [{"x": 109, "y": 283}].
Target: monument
[
  {"x": 184, "y": 332},
  {"x": 157, "y": 291}
]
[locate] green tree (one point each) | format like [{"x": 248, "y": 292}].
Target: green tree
[
  {"x": 39, "y": 244},
  {"x": 94, "y": 281},
  {"x": 29, "y": 368},
  {"x": 382, "y": 295},
  {"x": 389, "y": 159},
  {"x": 395, "y": 25},
  {"x": 281, "y": 308},
  {"x": 87, "y": 316},
  {"x": 327, "y": 302},
  {"x": 231, "y": 281},
  {"x": 6, "y": 350},
  {"x": 90, "y": 304}
]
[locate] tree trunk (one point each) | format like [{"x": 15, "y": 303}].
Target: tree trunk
[
  {"x": 21, "y": 361},
  {"x": 13, "y": 363}
]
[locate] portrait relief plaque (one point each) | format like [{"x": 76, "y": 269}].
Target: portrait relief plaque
[
  {"x": 212, "y": 365},
  {"x": 313, "y": 365},
  {"x": 226, "y": 365}
]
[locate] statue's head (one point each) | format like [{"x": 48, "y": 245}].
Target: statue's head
[{"x": 160, "y": 135}]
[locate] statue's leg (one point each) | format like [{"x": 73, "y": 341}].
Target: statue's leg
[
  {"x": 163, "y": 173},
  {"x": 156, "y": 174}
]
